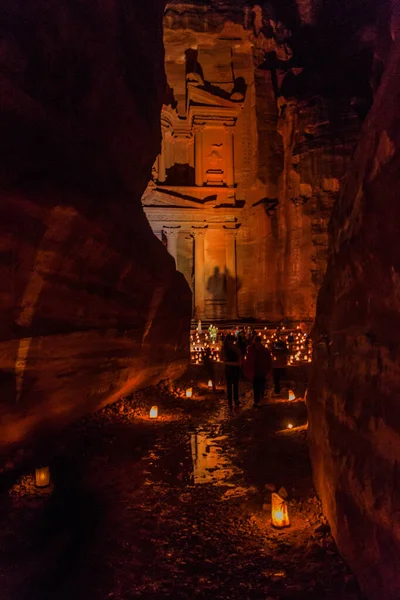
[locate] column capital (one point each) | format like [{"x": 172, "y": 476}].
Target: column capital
[
  {"x": 171, "y": 232},
  {"x": 199, "y": 232},
  {"x": 229, "y": 127},
  {"x": 198, "y": 127},
  {"x": 230, "y": 232}
]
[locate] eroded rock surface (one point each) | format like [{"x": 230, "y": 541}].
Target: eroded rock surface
[
  {"x": 353, "y": 397},
  {"x": 92, "y": 304}
]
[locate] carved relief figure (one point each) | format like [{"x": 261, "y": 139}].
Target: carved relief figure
[
  {"x": 215, "y": 160},
  {"x": 215, "y": 164}
]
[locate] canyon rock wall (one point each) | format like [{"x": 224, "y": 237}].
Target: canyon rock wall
[
  {"x": 92, "y": 305},
  {"x": 354, "y": 391}
]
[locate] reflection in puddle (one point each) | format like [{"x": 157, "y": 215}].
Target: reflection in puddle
[{"x": 210, "y": 464}]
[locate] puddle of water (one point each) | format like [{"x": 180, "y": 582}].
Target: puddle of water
[{"x": 210, "y": 461}]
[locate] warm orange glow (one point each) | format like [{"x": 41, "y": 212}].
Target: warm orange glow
[
  {"x": 290, "y": 426},
  {"x": 210, "y": 383},
  {"x": 189, "y": 393},
  {"x": 42, "y": 477},
  {"x": 292, "y": 395},
  {"x": 154, "y": 412},
  {"x": 279, "y": 513}
]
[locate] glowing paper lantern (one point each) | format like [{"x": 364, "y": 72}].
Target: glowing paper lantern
[
  {"x": 189, "y": 393},
  {"x": 290, "y": 426},
  {"x": 42, "y": 477},
  {"x": 210, "y": 383},
  {"x": 154, "y": 412},
  {"x": 279, "y": 512},
  {"x": 292, "y": 395}
]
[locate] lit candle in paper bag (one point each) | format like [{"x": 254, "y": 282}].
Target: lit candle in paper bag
[
  {"x": 42, "y": 477},
  {"x": 292, "y": 395},
  {"x": 279, "y": 512},
  {"x": 154, "y": 412},
  {"x": 210, "y": 383},
  {"x": 189, "y": 393}
]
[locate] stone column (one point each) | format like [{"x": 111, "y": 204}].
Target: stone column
[
  {"x": 199, "y": 274},
  {"x": 162, "y": 175},
  {"x": 198, "y": 153},
  {"x": 231, "y": 275},
  {"x": 172, "y": 243},
  {"x": 229, "y": 154},
  {"x": 169, "y": 143}
]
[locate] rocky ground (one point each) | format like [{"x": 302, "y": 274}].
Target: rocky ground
[{"x": 175, "y": 507}]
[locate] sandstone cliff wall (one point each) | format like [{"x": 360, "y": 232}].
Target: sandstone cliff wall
[
  {"x": 355, "y": 386},
  {"x": 91, "y": 303}
]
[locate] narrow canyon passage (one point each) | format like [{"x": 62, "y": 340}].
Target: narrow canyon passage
[
  {"x": 175, "y": 507},
  {"x": 170, "y": 170}
]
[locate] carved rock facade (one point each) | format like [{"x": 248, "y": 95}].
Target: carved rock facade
[{"x": 244, "y": 148}]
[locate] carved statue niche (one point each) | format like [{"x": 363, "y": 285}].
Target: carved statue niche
[
  {"x": 215, "y": 164},
  {"x": 194, "y": 72},
  {"x": 194, "y": 79}
]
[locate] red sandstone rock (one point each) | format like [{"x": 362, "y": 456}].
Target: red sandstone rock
[
  {"x": 92, "y": 305},
  {"x": 353, "y": 395}
]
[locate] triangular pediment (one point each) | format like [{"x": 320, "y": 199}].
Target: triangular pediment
[
  {"x": 200, "y": 96},
  {"x": 173, "y": 199}
]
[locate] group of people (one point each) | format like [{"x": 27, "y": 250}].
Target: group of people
[{"x": 251, "y": 359}]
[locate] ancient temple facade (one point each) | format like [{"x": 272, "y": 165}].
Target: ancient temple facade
[
  {"x": 193, "y": 203},
  {"x": 243, "y": 188}
]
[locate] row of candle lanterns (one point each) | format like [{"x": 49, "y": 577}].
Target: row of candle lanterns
[{"x": 300, "y": 347}]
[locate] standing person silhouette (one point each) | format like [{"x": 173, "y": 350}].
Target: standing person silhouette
[
  {"x": 257, "y": 367},
  {"x": 233, "y": 362}
]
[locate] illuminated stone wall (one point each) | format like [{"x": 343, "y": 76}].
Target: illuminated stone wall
[{"x": 288, "y": 154}]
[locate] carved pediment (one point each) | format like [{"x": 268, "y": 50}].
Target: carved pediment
[
  {"x": 198, "y": 96},
  {"x": 193, "y": 198},
  {"x": 173, "y": 199}
]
